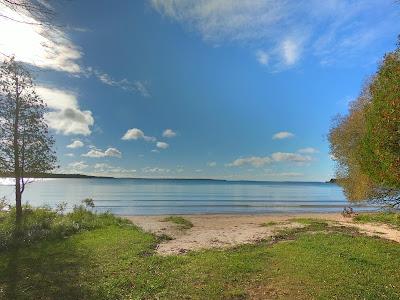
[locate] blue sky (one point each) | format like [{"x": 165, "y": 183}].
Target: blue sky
[{"x": 202, "y": 89}]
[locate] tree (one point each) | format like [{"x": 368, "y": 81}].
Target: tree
[
  {"x": 380, "y": 149},
  {"x": 26, "y": 147},
  {"x": 366, "y": 142},
  {"x": 345, "y": 140},
  {"x": 39, "y": 10}
]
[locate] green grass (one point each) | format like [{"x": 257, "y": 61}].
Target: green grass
[
  {"x": 43, "y": 223},
  {"x": 390, "y": 218},
  {"x": 118, "y": 262},
  {"x": 182, "y": 222},
  {"x": 270, "y": 223}
]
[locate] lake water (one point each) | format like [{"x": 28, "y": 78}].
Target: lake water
[{"x": 153, "y": 197}]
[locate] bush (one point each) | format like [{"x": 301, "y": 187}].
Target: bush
[
  {"x": 390, "y": 218},
  {"x": 45, "y": 223}
]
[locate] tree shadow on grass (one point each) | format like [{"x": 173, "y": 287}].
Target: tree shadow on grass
[{"x": 47, "y": 270}]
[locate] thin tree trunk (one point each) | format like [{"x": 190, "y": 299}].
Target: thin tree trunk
[
  {"x": 18, "y": 197},
  {"x": 17, "y": 169}
]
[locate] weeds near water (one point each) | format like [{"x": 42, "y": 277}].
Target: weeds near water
[
  {"x": 182, "y": 222},
  {"x": 46, "y": 223}
]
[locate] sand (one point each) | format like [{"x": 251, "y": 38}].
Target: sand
[{"x": 222, "y": 231}]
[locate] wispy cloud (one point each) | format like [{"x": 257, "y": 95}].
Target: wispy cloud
[
  {"x": 212, "y": 164},
  {"x": 255, "y": 161},
  {"x": 155, "y": 170},
  {"x": 287, "y": 30},
  {"x": 77, "y": 166},
  {"x": 284, "y": 174},
  {"x": 276, "y": 157},
  {"x": 287, "y": 156},
  {"x": 76, "y": 144},
  {"x": 37, "y": 45},
  {"x": 137, "y": 86},
  {"x": 262, "y": 57},
  {"x": 290, "y": 51},
  {"x": 282, "y": 135},
  {"x": 308, "y": 150},
  {"x": 107, "y": 169},
  {"x": 52, "y": 48}
]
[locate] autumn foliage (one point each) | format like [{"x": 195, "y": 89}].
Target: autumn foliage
[{"x": 366, "y": 142}]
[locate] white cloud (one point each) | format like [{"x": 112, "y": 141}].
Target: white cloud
[
  {"x": 290, "y": 52},
  {"x": 69, "y": 154},
  {"x": 101, "y": 166},
  {"x": 255, "y": 161},
  {"x": 51, "y": 47},
  {"x": 155, "y": 170},
  {"x": 308, "y": 150},
  {"x": 262, "y": 57},
  {"x": 137, "y": 86},
  {"x": 65, "y": 116},
  {"x": 218, "y": 20},
  {"x": 75, "y": 144},
  {"x": 169, "y": 133},
  {"x": 289, "y": 29},
  {"x": 211, "y": 164},
  {"x": 36, "y": 44},
  {"x": 285, "y": 156},
  {"x": 110, "y": 152},
  {"x": 136, "y": 134},
  {"x": 78, "y": 165},
  {"x": 106, "y": 169},
  {"x": 113, "y": 152},
  {"x": 141, "y": 87},
  {"x": 282, "y": 135},
  {"x": 285, "y": 174},
  {"x": 70, "y": 121},
  {"x": 162, "y": 145},
  {"x": 276, "y": 157}
]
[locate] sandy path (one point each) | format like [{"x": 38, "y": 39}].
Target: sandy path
[{"x": 219, "y": 231}]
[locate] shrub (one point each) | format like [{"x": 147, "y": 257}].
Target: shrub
[{"x": 45, "y": 223}]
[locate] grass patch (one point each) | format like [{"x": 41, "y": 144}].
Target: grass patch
[
  {"x": 312, "y": 226},
  {"x": 118, "y": 262},
  {"x": 389, "y": 218},
  {"x": 270, "y": 223},
  {"x": 182, "y": 222},
  {"x": 44, "y": 223}
]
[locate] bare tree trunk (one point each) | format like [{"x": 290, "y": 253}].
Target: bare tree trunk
[
  {"x": 17, "y": 170},
  {"x": 18, "y": 198}
]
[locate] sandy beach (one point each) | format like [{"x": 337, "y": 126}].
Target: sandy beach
[{"x": 223, "y": 231}]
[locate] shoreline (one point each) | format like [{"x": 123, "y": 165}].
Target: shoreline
[
  {"x": 230, "y": 230},
  {"x": 246, "y": 214}
]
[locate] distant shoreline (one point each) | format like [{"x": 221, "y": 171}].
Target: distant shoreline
[
  {"x": 45, "y": 176},
  {"x": 82, "y": 176}
]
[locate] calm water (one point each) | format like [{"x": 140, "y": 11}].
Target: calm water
[{"x": 152, "y": 197}]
